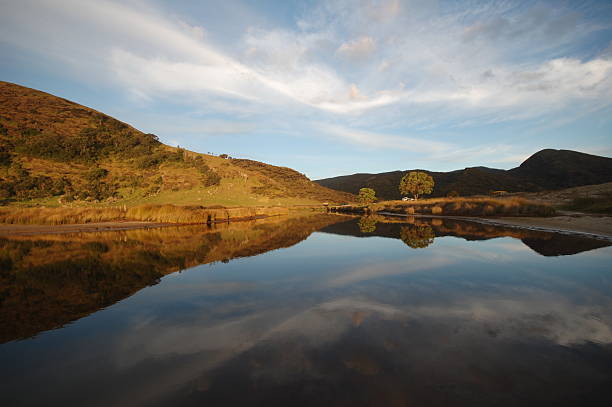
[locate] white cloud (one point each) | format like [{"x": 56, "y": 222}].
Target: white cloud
[
  {"x": 419, "y": 67},
  {"x": 380, "y": 140},
  {"x": 152, "y": 54},
  {"x": 383, "y": 10},
  {"x": 359, "y": 48}
]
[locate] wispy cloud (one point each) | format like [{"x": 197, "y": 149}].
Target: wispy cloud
[
  {"x": 410, "y": 70},
  {"x": 380, "y": 140},
  {"x": 359, "y": 48}
]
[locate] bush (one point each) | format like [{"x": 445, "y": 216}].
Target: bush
[
  {"x": 208, "y": 177},
  {"x": 5, "y": 157},
  {"x": 90, "y": 144},
  {"x": 96, "y": 174}
]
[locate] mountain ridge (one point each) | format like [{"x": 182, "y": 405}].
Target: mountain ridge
[{"x": 546, "y": 169}]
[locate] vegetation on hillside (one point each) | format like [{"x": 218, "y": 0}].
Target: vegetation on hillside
[{"x": 54, "y": 151}]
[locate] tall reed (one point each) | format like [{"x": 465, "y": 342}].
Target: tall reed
[{"x": 146, "y": 213}]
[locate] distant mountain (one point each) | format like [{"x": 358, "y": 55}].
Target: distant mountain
[
  {"x": 52, "y": 149},
  {"x": 558, "y": 169},
  {"x": 545, "y": 170}
]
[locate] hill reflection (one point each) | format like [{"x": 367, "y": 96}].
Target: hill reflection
[
  {"x": 47, "y": 281},
  {"x": 418, "y": 233}
]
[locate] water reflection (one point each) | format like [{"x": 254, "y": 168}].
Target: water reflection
[
  {"x": 367, "y": 224},
  {"x": 336, "y": 320},
  {"x": 417, "y": 236},
  {"x": 47, "y": 281},
  {"x": 419, "y": 232}
]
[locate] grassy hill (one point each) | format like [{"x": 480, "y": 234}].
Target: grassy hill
[
  {"x": 54, "y": 151},
  {"x": 545, "y": 170}
]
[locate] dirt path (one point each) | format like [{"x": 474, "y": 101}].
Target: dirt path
[{"x": 21, "y": 230}]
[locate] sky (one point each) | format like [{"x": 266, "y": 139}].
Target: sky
[{"x": 330, "y": 87}]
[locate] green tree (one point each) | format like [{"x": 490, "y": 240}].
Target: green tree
[
  {"x": 366, "y": 195},
  {"x": 416, "y": 183}
]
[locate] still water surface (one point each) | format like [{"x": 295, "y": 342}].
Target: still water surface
[{"x": 315, "y": 310}]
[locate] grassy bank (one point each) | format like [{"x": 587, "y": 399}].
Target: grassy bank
[
  {"x": 480, "y": 207},
  {"x": 148, "y": 213}
]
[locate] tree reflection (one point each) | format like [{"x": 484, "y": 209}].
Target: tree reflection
[
  {"x": 367, "y": 224},
  {"x": 417, "y": 236}
]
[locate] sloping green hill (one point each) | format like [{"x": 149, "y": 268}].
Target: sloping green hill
[
  {"x": 545, "y": 170},
  {"x": 54, "y": 151}
]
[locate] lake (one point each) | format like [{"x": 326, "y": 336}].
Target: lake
[{"x": 307, "y": 310}]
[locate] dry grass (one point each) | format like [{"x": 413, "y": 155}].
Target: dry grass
[
  {"x": 148, "y": 213},
  {"x": 59, "y": 216},
  {"x": 477, "y": 206},
  {"x": 180, "y": 182}
]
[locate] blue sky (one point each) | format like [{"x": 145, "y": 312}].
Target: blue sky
[{"x": 330, "y": 87}]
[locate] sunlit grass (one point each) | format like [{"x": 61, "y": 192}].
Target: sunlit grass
[
  {"x": 474, "y": 206},
  {"x": 148, "y": 213}
]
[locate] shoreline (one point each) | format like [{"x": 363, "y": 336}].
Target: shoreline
[
  {"x": 20, "y": 229},
  {"x": 7, "y": 229},
  {"x": 593, "y": 226},
  {"x": 599, "y": 227}
]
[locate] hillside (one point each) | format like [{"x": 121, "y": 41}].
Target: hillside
[
  {"x": 545, "y": 170},
  {"x": 54, "y": 151}
]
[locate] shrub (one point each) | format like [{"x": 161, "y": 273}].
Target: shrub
[
  {"x": 96, "y": 174},
  {"x": 5, "y": 157},
  {"x": 91, "y": 143},
  {"x": 367, "y": 195}
]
